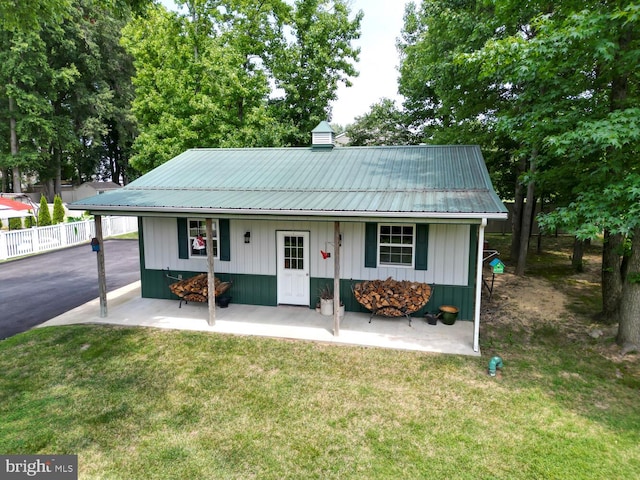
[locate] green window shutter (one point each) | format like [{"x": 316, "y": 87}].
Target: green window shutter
[
  {"x": 183, "y": 238},
  {"x": 224, "y": 242},
  {"x": 371, "y": 245},
  {"x": 422, "y": 244}
]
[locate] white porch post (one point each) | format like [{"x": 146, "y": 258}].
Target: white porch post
[
  {"x": 476, "y": 318},
  {"x": 211, "y": 279},
  {"x": 102, "y": 277},
  {"x": 336, "y": 279}
]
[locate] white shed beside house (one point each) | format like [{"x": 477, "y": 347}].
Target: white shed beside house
[
  {"x": 408, "y": 212},
  {"x": 89, "y": 189},
  {"x": 72, "y": 193}
]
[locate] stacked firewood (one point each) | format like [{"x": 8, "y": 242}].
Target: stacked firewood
[
  {"x": 392, "y": 298},
  {"x": 196, "y": 289}
]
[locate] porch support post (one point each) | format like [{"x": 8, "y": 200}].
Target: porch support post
[
  {"x": 102, "y": 276},
  {"x": 478, "y": 302},
  {"x": 211, "y": 279},
  {"x": 336, "y": 279}
]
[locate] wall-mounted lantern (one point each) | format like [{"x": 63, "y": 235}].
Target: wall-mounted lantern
[
  {"x": 95, "y": 244},
  {"x": 247, "y": 237}
]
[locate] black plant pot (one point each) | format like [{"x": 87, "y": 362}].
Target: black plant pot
[
  {"x": 223, "y": 302},
  {"x": 431, "y": 319}
]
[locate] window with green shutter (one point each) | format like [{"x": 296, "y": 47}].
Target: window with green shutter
[
  {"x": 398, "y": 245},
  {"x": 192, "y": 236}
]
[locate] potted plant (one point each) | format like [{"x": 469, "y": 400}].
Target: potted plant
[
  {"x": 448, "y": 314},
  {"x": 326, "y": 301}
]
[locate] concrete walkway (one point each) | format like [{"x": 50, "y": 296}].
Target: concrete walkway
[{"x": 126, "y": 307}]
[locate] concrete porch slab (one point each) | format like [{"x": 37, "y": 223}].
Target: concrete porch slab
[{"x": 126, "y": 307}]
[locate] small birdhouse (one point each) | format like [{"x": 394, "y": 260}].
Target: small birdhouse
[
  {"x": 497, "y": 265},
  {"x": 95, "y": 245}
]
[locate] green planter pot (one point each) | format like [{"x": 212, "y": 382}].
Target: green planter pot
[{"x": 448, "y": 314}]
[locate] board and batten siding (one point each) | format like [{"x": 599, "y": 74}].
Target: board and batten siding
[{"x": 448, "y": 251}]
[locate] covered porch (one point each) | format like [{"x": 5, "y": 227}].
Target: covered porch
[{"x": 128, "y": 308}]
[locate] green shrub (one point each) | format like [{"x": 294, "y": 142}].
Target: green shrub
[
  {"x": 58, "y": 210},
  {"x": 15, "y": 223},
  {"x": 44, "y": 216},
  {"x": 30, "y": 221},
  {"x": 81, "y": 218}
]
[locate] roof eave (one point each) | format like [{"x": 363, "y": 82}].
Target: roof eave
[{"x": 137, "y": 211}]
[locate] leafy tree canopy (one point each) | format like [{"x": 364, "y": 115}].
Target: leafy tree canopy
[{"x": 237, "y": 73}]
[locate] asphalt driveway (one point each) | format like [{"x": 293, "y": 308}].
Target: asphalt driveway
[{"x": 37, "y": 288}]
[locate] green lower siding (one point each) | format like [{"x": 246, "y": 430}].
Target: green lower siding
[
  {"x": 262, "y": 290},
  {"x": 461, "y": 297},
  {"x": 246, "y": 289}
]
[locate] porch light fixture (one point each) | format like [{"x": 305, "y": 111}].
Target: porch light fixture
[{"x": 247, "y": 237}]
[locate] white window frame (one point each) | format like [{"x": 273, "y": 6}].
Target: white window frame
[
  {"x": 412, "y": 245},
  {"x": 201, "y": 228}
]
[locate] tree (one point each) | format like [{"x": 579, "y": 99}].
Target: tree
[
  {"x": 447, "y": 100},
  {"x": 563, "y": 87},
  {"x": 67, "y": 87},
  {"x": 587, "y": 58},
  {"x": 44, "y": 216},
  {"x": 384, "y": 124},
  {"x": 58, "y": 210},
  {"x": 93, "y": 131},
  {"x": 22, "y": 16},
  {"x": 25, "y": 90},
  {"x": 212, "y": 76},
  {"x": 185, "y": 85},
  {"x": 310, "y": 68}
]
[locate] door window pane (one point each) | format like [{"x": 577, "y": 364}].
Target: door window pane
[{"x": 293, "y": 253}]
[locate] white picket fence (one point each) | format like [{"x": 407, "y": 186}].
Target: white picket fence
[{"x": 18, "y": 243}]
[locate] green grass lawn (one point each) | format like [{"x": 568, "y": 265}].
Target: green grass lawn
[{"x": 146, "y": 404}]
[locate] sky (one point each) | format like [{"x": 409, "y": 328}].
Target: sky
[
  {"x": 378, "y": 65},
  {"x": 379, "y": 59}
]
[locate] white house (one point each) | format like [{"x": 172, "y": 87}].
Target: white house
[{"x": 409, "y": 212}]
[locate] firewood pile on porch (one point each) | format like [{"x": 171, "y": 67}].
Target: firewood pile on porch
[
  {"x": 392, "y": 298},
  {"x": 196, "y": 289}
]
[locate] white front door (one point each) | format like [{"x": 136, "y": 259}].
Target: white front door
[{"x": 293, "y": 268}]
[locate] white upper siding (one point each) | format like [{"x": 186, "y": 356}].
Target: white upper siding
[{"x": 448, "y": 253}]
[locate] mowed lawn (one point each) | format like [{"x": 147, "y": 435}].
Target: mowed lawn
[{"x": 136, "y": 403}]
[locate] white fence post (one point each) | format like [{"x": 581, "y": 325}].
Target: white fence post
[
  {"x": 35, "y": 239},
  {"x": 4, "y": 252},
  {"x": 62, "y": 232}
]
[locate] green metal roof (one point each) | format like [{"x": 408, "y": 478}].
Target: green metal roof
[{"x": 412, "y": 181}]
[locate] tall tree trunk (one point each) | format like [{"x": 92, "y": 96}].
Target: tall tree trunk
[
  {"x": 516, "y": 215},
  {"x": 48, "y": 190},
  {"x": 629, "y": 329},
  {"x": 17, "y": 183},
  {"x": 539, "y": 234},
  {"x": 613, "y": 247},
  {"x": 57, "y": 184},
  {"x": 3, "y": 173},
  {"x": 527, "y": 217},
  {"x": 612, "y": 277},
  {"x": 578, "y": 254}
]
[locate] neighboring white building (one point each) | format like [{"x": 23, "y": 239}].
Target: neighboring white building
[{"x": 71, "y": 193}]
